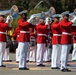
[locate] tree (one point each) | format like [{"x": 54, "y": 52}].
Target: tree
[{"x": 60, "y": 5}]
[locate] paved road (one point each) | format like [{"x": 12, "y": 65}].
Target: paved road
[{"x": 12, "y": 68}]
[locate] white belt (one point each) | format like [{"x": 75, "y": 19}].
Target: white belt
[
  {"x": 41, "y": 34},
  {"x": 56, "y": 34},
  {"x": 73, "y": 24},
  {"x": 24, "y": 32},
  {"x": 66, "y": 33},
  {"x": 2, "y": 32},
  {"x": 33, "y": 39}
]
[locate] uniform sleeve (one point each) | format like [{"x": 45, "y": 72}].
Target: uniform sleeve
[
  {"x": 69, "y": 23},
  {"x": 65, "y": 23},
  {"x": 5, "y": 26},
  {"x": 22, "y": 23},
  {"x": 16, "y": 32},
  {"x": 15, "y": 35},
  {"x": 43, "y": 27}
]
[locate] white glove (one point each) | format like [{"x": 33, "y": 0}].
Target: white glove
[
  {"x": 74, "y": 24},
  {"x": 48, "y": 21},
  {"x": 73, "y": 20},
  {"x": 31, "y": 19},
  {"x": 8, "y": 18}
]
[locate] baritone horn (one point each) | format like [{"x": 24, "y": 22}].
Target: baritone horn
[
  {"x": 11, "y": 13},
  {"x": 13, "y": 10}
]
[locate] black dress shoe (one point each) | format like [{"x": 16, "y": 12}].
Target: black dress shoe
[
  {"x": 74, "y": 60},
  {"x": 32, "y": 61},
  {"x": 17, "y": 61},
  {"x": 2, "y": 66},
  {"x": 55, "y": 68},
  {"x": 25, "y": 68},
  {"x": 68, "y": 65},
  {"x": 41, "y": 65},
  {"x": 27, "y": 61},
  {"x": 7, "y": 60},
  {"x": 66, "y": 70}
]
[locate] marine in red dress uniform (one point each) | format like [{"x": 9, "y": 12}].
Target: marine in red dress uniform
[
  {"x": 66, "y": 40},
  {"x": 74, "y": 37},
  {"x": 41, "y": 40},
  {"x": 3, "y": 27},
  {"x": 56, "y": 38},
  {"x": 74, "y": 42},
  {"x": 24, "y": 38}
]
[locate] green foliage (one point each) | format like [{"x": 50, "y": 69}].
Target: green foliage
[
  {"x": 14, "y": 24},
  {"x": 37, "y": 10},
  {"x": 34, "y": 11},
  {"x": 60, "y": 5}
]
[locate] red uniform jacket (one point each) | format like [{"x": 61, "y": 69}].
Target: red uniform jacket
[
  {"x": 41, "y": 33},
  {"x": 3, "y": 28},
  {"x": 66, "y": 32},
  {"x": 32, "y": 34},
  {"x": 56, "y": 32},
  {"x": 16, "y": 33},
  {"x": 74, "y": 34},
  {"x": 24, "y": 26}
]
